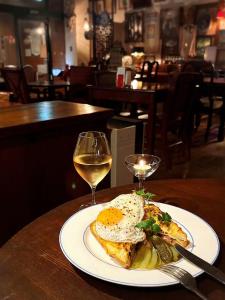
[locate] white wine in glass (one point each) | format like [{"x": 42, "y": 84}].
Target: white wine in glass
[{"x": 92, "y": 159}]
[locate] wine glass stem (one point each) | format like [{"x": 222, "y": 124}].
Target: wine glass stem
[
  {"x": 93, "y": 188},
  {"x": 141, "y": 183}
]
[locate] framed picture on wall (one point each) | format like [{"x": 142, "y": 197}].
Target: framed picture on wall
[
  {"x": 134, "y": 27},
  {"x": 205, "y": 19},
  {"x": 201, "y": 43},
  {"x": 169, "y": 27}
]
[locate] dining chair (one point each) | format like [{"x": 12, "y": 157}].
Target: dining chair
[
  {"x": 16, "y": 83},
  {"x": 30, "y": 73},
  {"x": 174, "y": 125},
  {"x": 209, "y": 103},
  {"x": 80, "y": 77},
  {"x": 105, "y": 78}
]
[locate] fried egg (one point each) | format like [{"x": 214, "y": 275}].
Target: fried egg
[{"x": 116, "y": 222}]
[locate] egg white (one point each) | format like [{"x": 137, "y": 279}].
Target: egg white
[{"x": 132, "y": 208}]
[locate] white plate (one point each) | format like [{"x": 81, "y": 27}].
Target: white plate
[{"x": 83, "y": 251}]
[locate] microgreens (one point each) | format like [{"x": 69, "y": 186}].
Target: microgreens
[
  {"x": 149, "y": 225},
  {"x": 147, "y": 195},
  {"x": 165, "y": 217}
]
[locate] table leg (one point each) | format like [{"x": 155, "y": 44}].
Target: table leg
[
  {"x": 222, "y": 121},
  {"x": 150, "y": 131}
]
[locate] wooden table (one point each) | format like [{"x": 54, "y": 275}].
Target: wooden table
[
  {"x": 36, "y": 166},
  {"x": 149, "y": 95},
  {"x": 51, "y": 87},
  {"x": 217, "y": 88},
  {"x": 32, "y": 265}
]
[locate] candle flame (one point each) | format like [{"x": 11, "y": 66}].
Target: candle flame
[{"x": 142, "y": 162}]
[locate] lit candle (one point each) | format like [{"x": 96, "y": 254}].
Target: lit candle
[
  {"x": 141, "y": 168},
  {"x": 134, "y": 84}
]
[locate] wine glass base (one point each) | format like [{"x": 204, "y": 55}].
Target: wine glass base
[{"x": 86, "y": 205}]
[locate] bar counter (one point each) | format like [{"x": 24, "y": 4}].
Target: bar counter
[{"x": 36, "y": 148}]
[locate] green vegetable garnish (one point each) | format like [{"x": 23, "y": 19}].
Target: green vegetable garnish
[
  {"x": 147, "y": 195},
  {"x": 166, "y": 217},
  {"x": 155, "y": 228},
  {"x": 145, "y": 224},
  {"x": 149, "y": 225}
]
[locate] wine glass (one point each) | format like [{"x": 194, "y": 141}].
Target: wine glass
[
  {"x": 142, "y": 166},
  {"x": 92, "y": 159}
]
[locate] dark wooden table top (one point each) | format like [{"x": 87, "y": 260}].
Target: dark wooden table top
[
  {"x": 145, "y": 88},
  {"x": 47, "y": 83},
  {"x": 44, "y": 114},
  {"x": 32, "y": 265},
  {"x": 216, "y": 81}
]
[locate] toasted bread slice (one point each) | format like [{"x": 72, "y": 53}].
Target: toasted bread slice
[
  {"x": 171, "y": 232},
  {"x": 123, "y": 253}
]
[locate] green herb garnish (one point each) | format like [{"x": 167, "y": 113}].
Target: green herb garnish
[
  {"x": 166, "y": 217},
  {"x": 145, "y": 224},
  {"x": 149, "y": 225},
  {"x": 147, "y": 195}
]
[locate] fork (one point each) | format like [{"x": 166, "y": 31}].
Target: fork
[{"x": 184, "y": 277}]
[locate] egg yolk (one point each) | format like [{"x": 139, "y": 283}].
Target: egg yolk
[{"x": 110, "y": 216}]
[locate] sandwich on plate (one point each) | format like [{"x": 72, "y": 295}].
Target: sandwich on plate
[{"x": 137, "y": 235}]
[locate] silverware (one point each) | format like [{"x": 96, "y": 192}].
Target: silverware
[
  {"x": 209, "y": 269},
  {"x": 184, "y": 277}
]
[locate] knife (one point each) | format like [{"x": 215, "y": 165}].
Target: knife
[{"x": 202, "y": 264}]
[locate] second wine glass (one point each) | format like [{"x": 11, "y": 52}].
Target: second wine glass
[{"x": 92, "y": 159}]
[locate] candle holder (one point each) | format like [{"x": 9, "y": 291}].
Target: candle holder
[{"x": 142, "y": 166}]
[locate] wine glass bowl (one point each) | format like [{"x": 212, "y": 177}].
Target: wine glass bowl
[
  {"x": 142, "y": 166},
  {"x": 92, "y": 159}
]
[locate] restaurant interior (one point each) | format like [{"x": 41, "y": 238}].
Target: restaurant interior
[
  {"x": 150, "y": 74},
  {"x": 115, "y": 55}
]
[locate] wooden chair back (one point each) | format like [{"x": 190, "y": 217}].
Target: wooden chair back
[
  {"x": 81, "y": 75},
  {"x": 16, "y": 83},
  {"x": 105, "y": 78},
  {"x": 30, "y": 73},
  {"x": 183, "y": 93},
  {"x": 178, "y": 112}
]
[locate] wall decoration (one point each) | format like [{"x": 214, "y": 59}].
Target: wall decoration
[
  {"x": 152, "y": 35},
  {"x": 169, "y": 25},
  {"x": 187, "y": 40},
  {"x": 206, "y": 19},
  {"x": 103, "y": 34},
  {"x": 202, "y": 43},
  {"x": 134, "y": 27},
  {"x": 69, "y": 12}
]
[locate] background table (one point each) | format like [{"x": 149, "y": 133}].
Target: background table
[
  {"x": 32, "y": 265},
  {"x": 36, "y": 158},
  {"x": 149, "y": 96},
  {"x": 217, "y": 88},
  {"x": 51, "y": 87}
]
